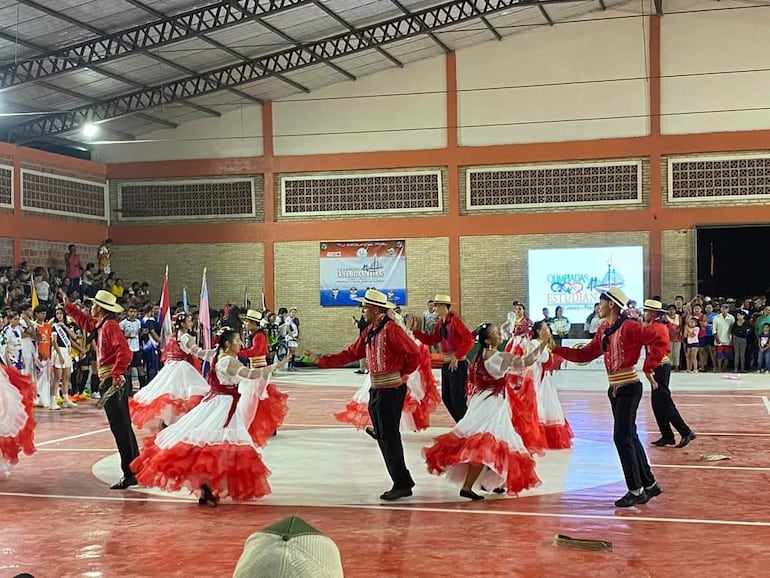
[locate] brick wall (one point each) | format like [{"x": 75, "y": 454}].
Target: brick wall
[
  {"x": 493, "y": 270},
  {"x": 329, "y": 329},
  {"x": 51, "y": 253},
  {"x": 677, "y": 265},
  {"x": 6, "y": 252},
  {"x": 232, "y": 267}
]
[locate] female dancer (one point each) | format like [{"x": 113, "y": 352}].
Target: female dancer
[
  {"x": 484, "y": 446},
  {"x": 210, "y": 450},
  {"x": 17, "y": 424},
  {"x": 422, "y": 395},
  {"x": 177, "y": 388},
  {"x": 557, "y": 431},
  {"x": 522, "y": 396}
]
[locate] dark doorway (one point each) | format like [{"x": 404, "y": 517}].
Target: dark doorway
[{"x": 732, "y": 261}]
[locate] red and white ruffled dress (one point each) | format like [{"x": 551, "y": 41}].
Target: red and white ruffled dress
[
  {"x": 485, "y": 436},
  {"x": 176, "y": 389},
  {"x": 522, "y": 396},
  {"x": 17, "y": 423},
  {"x": 556, "y": 428},
  {"x": 422, "y": 398},
  {"x": 211, "y": 444}
]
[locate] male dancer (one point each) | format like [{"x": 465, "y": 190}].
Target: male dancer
[
  {"x": 392, "y": 355},
  {"x": 113, "y": 357},
  {"x": 256, "y": 352},
  {"x": 663, "y": 406},
  {"x": 620, "y": 340},
  {"x": 456, "y": 341}
]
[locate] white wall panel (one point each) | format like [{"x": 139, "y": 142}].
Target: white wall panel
[
  {"x": 537, "y": 85},
  {"x": 237, "y": 133},
  {"x": 387, "y": 112},
  {"x": 700, "y": 54}
]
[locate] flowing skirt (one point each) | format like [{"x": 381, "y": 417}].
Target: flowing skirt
[
  {"x": 17, "y": 422},
  {"x": 422, "y": 399},
  {"x": 202, "y": 447},
  {"x": 558, "y": 433},
  {"x": 176, "y": 389},
  {"x": 484, "y": 436}
]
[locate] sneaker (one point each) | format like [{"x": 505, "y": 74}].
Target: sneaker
[
  {"x": 68, "y": 403},
  {"x": 631, "y": 499},
  {"x": 54, "y": 405}
]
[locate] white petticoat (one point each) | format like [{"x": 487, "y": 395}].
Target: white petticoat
[{"x": 177, "y": 379}]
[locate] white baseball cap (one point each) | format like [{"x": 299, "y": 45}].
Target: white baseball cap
[{"x": 291, "y": 548}]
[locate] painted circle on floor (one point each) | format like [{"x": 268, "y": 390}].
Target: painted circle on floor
[{"x": 341, "y": 466}]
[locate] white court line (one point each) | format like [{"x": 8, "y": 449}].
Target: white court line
[
  {"x": 111, "y": 450},
  {"x": 189, "y": 502},
  {"x": 732, "y": 468},
  {"x": 767, "y": 403},
  {"x": 746, "y": 404},
  {"x": 727, "y": 434},
  {"x": 68, "y": 438},
  {"x": 314, "y": 425},
  {"x": 690, "y": 404}
]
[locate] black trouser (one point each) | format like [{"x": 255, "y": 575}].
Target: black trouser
[
  {"x": 116, "y": 409},
  {"x": 663, "y": 406},
  {"x": 636, "y": 469},
  {"x": 385, "y": 406},
  {"x": 453, "y": 389}
]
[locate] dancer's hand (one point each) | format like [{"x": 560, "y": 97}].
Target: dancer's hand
[
  {"x": 651, "y": 379},
  {"x": 453, "y": 364}
]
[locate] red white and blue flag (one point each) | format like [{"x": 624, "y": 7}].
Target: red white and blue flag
[
  {"x": 204, "y": 316},
  {"x": 164, "y": 315}
]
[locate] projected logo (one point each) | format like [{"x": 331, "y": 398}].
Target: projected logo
[{"x": 573, "y": 283}]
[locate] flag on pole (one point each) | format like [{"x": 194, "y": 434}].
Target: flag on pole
[
  {"x": 185, "y": 304},
  {"x": 712, "y": 268},
  {"x": 35, "y": 300},
  {"x": 164, "y": 315},
  {"x": 204, "y": 315},
  {"x": 245, "y": 298},
  {"x": 264, "y": 303}
]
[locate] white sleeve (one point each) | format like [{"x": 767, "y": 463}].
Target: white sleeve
[
  {"x": 237, "y": 369},
  {"x": 187, "y": 344},
  {"x": 494, "y": 365}
]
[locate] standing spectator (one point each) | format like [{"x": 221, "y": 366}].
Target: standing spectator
[
  {"x": 560, "y": 325},
  {"x": 72, "y": 268},
  {"x": 362, "y": 324},
  {"x": 132, "y": 328},
  {"x": 103, "y": 254},
  {"x": 429, "y": 321},
  {"x": 675, "y": 335},
  {"x": 763, "y": 358},
  {"x": 740, "y": 332},
  {"x": 592, "y": 321},
  {"x": 42, "y": 286},
  {"x": 723, "y": 338}
]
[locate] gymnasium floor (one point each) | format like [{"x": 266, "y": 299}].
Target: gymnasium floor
[{"x": 58, "y": 517}]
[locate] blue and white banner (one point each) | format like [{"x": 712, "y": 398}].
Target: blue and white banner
[{"x": 349, "y": 268}]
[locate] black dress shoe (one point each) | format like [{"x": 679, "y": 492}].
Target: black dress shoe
[
  {"x": 664, "y": 442},
  {"x": 653, "y": 491},
  {"x": 371, "y": 433},
  {"x": 631, "y": 499},
  {"x": 123, "y": 484},
  {"x": 396, "y": 494},
  {"x": 471, "y": 495},
  {"x": 686, "y": 440}
]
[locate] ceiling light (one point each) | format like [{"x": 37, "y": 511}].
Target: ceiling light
[{"x": 89, "y": 130}]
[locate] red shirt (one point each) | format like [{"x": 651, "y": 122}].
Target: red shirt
[
  {"x": 111, "y": 346},
  {"x": 73, "y": 265},
  {"x": 458, "y": 339},
  {"x": 624, "y": 348},
  {"x": 257, "y": 353},
  {"x": 661, "y": 347},
  {"x": 391, "y": 350}
]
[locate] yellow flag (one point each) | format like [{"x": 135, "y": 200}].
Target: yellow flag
[{"x": 35, "y": 301}]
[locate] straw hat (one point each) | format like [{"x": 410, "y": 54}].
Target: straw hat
[
  {"x": 253, "y": 315},
  {"x": 653, "y": 305},
  {"x": 291, "y": 548},
  {"x": 377, "y": 298},
  {"x": 442, "y": 300},
  {"x": 106, "y": 301},
  {"x": 616, "y": 296}
]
